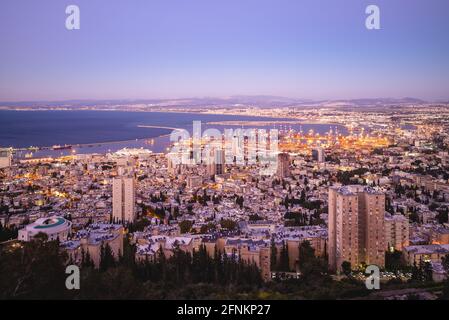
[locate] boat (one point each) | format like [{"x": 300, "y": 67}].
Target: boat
[{"x": 57, "y": 147}]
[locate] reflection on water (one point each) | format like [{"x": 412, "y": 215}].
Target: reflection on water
[
  {"x": 156, "y": 145},
  {"x": 162, "y": 143}
]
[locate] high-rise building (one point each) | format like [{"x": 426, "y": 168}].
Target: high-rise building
[
  {"x": 194, "y": 182},
  {"x": 216, "y": 163},
  {"x": 396, "y": 232},
  {"x": 5, "y": 158},
  {"x": 123, "y": 199},
  {"x": 318, "y": 154},
  {"x": 283, "y": 164},
  {"x": 356, "y": 226},
  {"x": 173, "y": 165}
]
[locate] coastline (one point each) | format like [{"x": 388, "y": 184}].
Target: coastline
[
  {"x": 155, "y": 143},
  {"x": 293, "y": 120},
  {"x": 125, "y": 111}
]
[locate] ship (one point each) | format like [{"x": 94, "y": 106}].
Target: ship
[{"x": 57, "y": 147}]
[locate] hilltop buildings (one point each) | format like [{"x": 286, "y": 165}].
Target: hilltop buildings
[
  {"x": 92, "y": 239},
  {"x": 248, "y": 250}
]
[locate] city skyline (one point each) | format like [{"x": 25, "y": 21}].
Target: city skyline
[
  {"x": 151, "y": 50},
  {"x": 188, "y": 152},
  {"x": 356, "y": 212}
]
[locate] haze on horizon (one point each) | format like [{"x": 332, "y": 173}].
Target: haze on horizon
[{"x": 153, "y": 49}]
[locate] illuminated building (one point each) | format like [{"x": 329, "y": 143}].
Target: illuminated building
[
  {"x": 318, "y": 154},
  {"x": 283, "y": 165},
  {"x": 123, "y": 199},
  {"x": 216, "y": 163},
  {"x": 92, "y": 239},
  {"x": 356, "y": 226},
  {"x": 194, "y": 182},
  {"x": 5, "y": 158},
  {"x": 56, "y": 228},
  {"x": 396, "y": 232}
]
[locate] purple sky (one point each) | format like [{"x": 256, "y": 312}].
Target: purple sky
[{"x": 315, "y": 49}]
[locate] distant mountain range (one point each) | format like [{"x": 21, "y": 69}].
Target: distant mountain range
[{"x": 231, "y": 101}]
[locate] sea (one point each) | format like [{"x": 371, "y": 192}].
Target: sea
[{"x": 108, "y": 131}]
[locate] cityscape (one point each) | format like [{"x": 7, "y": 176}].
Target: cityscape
[
  {"x": 212, "y": 191},
  {"x": 334, "y": 204}
]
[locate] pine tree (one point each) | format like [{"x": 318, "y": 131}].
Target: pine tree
[
  {"x": 284, "y": 259},
  {"x": 107, "y": 259},
  {"x": 273, "y": 257},
  {"x": 428, "y": 271}
]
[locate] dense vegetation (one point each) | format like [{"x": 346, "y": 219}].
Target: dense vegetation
[
  {"x": 7, "y": 233},
  {"x": 36, "y": 270}
]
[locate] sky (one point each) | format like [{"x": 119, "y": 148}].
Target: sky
[{"x": 142, "y": 49}]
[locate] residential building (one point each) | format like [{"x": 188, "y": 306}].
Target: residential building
[
  {"x": 283, "y": 165},
  {"x": 396, "y": 232},
  {"x": 123, "y": 199},
  {"x": 356, "y": 226}
]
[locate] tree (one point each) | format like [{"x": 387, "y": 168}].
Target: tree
[
  {"x": 286, "y": 202},
  {"x": 346, "y": 268},
  {"x": 36, "y": 270},
  {"x": 414, "y": 217},
  {"x": 302, "y": 199},
  {"x": 295, "y": 219},
  {"x": 442, "y": 217},
  {"x": 206, "y": 228},
  {"x": 306, "y": 255},
  {"x": 116, "y": 283},
  {"x": 228, "y": 224},
  {"x": 86, "y": 260},
  {"x": 422, "y": 272},
  {"x": 428, "y": 271},
  {"x": 311, "y": 267},
  {"x": 273, "y": 257},
  {"x": 416, "y": 273},
  {"x": 445, "y": 263},
  {"x": 284, "y": 263},
  {"x": 107, "y": 259},
  {"x": 185, "y": 226},
  {"x": 393, "y": 260},
  {"x": 8, "y": 233},
  {"x": 139, "y": 225},
  {"x": 255, "y": 217},
  {"x": 239, "y": 201},
  {"x": 128, "y": 257}
]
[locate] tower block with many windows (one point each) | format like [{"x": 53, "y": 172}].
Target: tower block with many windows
[
  {"x": 123, "y": 199},
  {"x": 356, "y": 226}
]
